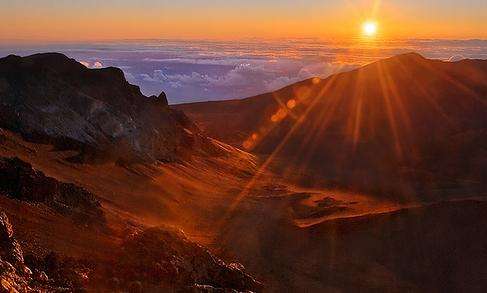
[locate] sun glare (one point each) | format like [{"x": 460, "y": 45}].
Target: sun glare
[{"x": 369, "y": 28}]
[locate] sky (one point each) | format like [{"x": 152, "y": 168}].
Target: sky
[
  {"x": 73, "y": 20},
  {"x": 224, "y": 49}
]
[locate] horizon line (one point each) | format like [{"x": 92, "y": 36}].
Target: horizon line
[{"x": 222, "y": 39}]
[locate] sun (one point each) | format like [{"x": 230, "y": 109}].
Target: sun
[{"x": 369, "y": 28}]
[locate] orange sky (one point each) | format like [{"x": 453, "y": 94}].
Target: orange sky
[{"x": 64, "y": 20}]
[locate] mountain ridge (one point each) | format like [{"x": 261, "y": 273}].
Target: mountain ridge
[
  {"x": 51, "y": 98},
  {"x": 394, "y": 120}
]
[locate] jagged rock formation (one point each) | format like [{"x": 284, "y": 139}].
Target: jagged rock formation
[
  {"x": 154, "y": 260},
  {"x": 10, "y": 249},
  {"x": 15, "y": 276},
  {"x": 20, "y": 181},
  {"x": 164, "y": 259},
  {"x": 161, "y": 99},
  {"x": 51, "y": 98}
]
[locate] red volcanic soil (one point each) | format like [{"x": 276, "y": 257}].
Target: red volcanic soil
[
  {"x": 195, "y": 195},
  {"x": 291, "y": 238}
]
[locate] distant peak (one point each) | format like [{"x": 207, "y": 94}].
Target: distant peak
[
  {"x": 57, "y": 61},
  {"x": 409, "y": 56},
  {"x": 50, "y": 57},
  {"x": 12, "y": 57},
  {"x": 406, "y": 58}
]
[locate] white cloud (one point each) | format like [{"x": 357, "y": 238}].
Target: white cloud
[
  {"x": 201, "y": 61},
  {"x": 97, "y": 64},
  {"x": 456, "y": 58},
  {"x": 280, "y": 82},
  {"x": 324, "y": 69},
  {"x": 129, "y": 76},
  {"x": 86, "y": 64},
  {"x": 199, "y": 70},
  {"x": 242, "y": 74},
  {"x": 265, "y": 75}
]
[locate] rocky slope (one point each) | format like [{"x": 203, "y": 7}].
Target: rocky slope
[
  {"x": 163, "y": 258},
  {"x": 20, "y": 181},
  {"x": 404, "y": 127},
  {"x": 52, "y": 105},
  {"x": 51, "y": 98},
  {"x": 15, "y": 275},
  {"x": 154, "y": 260}
]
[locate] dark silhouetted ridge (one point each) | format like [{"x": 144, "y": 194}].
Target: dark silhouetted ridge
[
  {"x": 405, "y": 126},
  {"x": 52, "y": 98}
]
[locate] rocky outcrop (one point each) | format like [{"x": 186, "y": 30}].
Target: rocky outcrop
[
  {"x": 58, "y": 271},
  {"x": 20, "y": 181},
  {"x": 51, "y": 98},
  {"x": 161, "y": 99},
  {"x": 10, "y": 249},
  {"x": 17, "y": 275},
  {"x": 14, "y": 274},
  {"x": 159, "y": 259},
  {"x": 154, "y": 260},
  {"x": 164, "y": 258}
]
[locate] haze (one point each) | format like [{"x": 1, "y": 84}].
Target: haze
[{"x": 49, "y": 20}]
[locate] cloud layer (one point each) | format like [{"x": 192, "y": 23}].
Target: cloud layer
[{"x": 212, "y": 70}]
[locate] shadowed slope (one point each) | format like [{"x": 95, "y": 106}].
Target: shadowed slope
[
  {"x": 435, "y": 248},
  {"x": 405, "y": 125}
]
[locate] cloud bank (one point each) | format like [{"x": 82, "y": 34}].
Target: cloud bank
[{"x": 190, "y": 70}]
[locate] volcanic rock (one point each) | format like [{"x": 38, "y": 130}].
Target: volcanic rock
[
  {"x": 162, "y": 99},
  {"x": 50, "y": 98},
  {"x": 10, "y": 249},
  {"x": 20, "y": 181},
  {"x": 14, "y": 275},
  {"x": 165, "y": 257}
]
